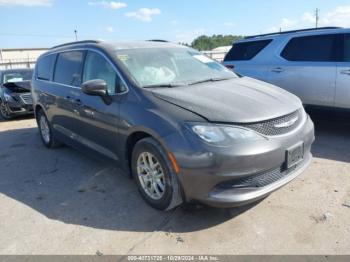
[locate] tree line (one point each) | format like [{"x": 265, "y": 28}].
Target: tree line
[{"x": 210, "y": 42}]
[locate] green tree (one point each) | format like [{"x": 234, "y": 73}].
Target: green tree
[{"x": 204, "y": 42}]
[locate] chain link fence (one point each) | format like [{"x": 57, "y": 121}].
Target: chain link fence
[{"x": 17, "y": 63}]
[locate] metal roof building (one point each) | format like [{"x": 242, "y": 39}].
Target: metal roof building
[{"x": 19, "y": 57}]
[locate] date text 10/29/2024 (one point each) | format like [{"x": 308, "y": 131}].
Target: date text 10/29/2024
[{"x": 173, "y": 258}]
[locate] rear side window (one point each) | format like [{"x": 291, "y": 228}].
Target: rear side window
[
  {"x": 45, "y": 67},
  {"x": 346, "y": 52},
  {"x": 317, "y": 48},
  {"x": 246, "y": 50},
  {"x": 68, "y": 68}
]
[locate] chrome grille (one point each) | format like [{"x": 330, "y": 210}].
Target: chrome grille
[
  {"x": 277, "y": 126},
  {"x": 27, "y": 98}
]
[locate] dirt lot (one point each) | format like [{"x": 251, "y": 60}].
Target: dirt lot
[{"x": 63, "y": 202}]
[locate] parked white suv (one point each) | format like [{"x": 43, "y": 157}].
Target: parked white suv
[{"x": 314, "y": 64}]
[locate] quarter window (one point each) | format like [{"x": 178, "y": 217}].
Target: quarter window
[
  {"x": 246, "y": 50},
  {"x": 317, "y": 48},
  {"x": 68, "y": 68},
  {"x": 45, "y": 67},
  {"x": 97, "y": 67}
]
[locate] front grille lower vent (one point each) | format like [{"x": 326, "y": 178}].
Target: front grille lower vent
[{"x": 259, "y": 180}]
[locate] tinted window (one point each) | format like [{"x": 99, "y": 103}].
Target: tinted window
[
  {"x": 346, "y": 56},
  {"x": 45, "y": 67},
  {"x": 246, "y": 50},
  {"x": 97, "y": 67},
  {"x": 68, "y": 68},
  {"x": 318, "y": 48}
]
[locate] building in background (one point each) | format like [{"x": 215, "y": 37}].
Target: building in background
[
  {"x": 19, "y": 57},
  {"x": 218, "y": 53}
]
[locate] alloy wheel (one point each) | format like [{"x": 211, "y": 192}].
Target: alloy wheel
[
  {"x": 44, "y": 129},
  {"x": 151, "y": 175}
]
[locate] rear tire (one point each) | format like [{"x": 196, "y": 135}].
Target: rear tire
[
  {"x": 154, "y": 175},
  {"x": 45, "y": 130}
]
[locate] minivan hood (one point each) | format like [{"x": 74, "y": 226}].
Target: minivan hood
[{"x": 238, "y": 100}]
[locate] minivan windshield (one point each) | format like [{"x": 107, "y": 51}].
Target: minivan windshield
[{"x": 170, "y": 67}]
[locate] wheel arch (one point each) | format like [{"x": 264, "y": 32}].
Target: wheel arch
[
  {"x": 37, "y": 108},
  {"x": 136, "y": 135}
]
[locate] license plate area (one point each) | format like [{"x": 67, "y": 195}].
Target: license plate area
[{"x": 294, "y": 155}]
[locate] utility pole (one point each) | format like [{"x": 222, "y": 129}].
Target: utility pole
[
  {"x": 76, "y": 35},
  {"x": 317, "y": 16}
]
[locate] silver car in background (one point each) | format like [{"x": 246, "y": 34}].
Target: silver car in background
[{"x": 313, "y": 64}]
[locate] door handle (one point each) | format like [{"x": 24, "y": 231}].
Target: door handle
[
  {"x": 277, "y": 70},
  {"x": 345, "y": 72},
  {"x": 78, "y": 102},
  {"x": 70, "y": 99}
]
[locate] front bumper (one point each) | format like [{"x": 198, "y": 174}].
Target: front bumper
[
  {"x": 205, "y": 169},
  {"x": 20, "y": 104},
  {"x": 242, "y": 196}
]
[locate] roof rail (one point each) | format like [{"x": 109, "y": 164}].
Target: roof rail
[
  {"x": 77, "y": 42},
  {"x": 294, "y": 31},
  {"x": 157, "y": 40}
]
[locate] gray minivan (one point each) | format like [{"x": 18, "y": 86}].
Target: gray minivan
[
  {"x": 187, "y": 128},
  {"x": 313, "y": 64}
]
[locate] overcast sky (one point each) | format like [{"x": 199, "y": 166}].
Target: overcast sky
[{"x": 43, "y": 23}]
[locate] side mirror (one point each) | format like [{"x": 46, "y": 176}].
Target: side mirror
[{"x": 97, "y": 87}]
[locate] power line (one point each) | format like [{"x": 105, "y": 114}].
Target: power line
[
  {"x": 43, "y": 35},
  {"x": 32, "y": 35}
]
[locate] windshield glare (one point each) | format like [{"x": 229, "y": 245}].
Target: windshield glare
[
  {"x": 171, "y": 66},
  {"x": 17, "y": 76}
]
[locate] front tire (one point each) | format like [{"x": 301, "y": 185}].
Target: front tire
[
  {"x": 4, "y": 111},
  {"x": 154, "y": 175},
  {"x": 45, "y": 131}
]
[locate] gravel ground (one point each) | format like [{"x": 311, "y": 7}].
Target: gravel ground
[{"x": 64, "y": 202}]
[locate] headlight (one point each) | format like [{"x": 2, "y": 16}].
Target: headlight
[
  {"x": 7, "y": 97},
  {"x": 222, "y": 135},
  {"x": 211, "y": 134}
]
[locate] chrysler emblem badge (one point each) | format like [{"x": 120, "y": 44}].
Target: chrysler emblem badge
[{"x": 287, "y": 124}]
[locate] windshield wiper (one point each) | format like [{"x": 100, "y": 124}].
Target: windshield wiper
[
  {"x": 210, "y": 80},
  {"x": 169, "y": 85}
]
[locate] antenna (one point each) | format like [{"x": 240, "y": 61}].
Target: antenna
[
  {"x": 76, "y": 35},
  {"x": 317, "y": 16}
]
